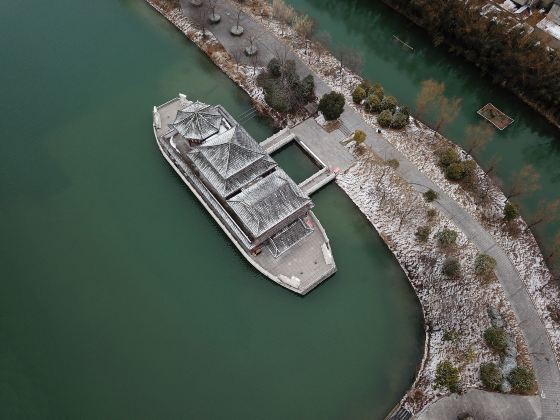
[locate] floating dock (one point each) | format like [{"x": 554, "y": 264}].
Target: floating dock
[{"x": 496, "y": 117}]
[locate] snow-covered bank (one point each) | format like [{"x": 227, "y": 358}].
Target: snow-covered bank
[
  {"x": 417, "y": 142},
  {"x": 456, "y": 306}
]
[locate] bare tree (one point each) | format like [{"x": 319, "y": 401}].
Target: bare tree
[
  {"x": 237, "y": 29},
  {"x": 238, "y": 17},
  {"x": 547, "y": 212},
  {"x": 254, "y": 63},
  {"x": 214, "y": 17},
  {"x": 405, "y": 208},
  {"x": 322, "y": 42},
  {"x": 525, "y": 181},
  {"x": 477, "y": 136},
  {"x": 251, "y": 49},
  {"x": 199, "y": 17},
  {"x": 430, "y": 93},
  {"x": 388, "y": 166},
  {"x": 237, "y": 55},
  {"x": 283, "y": 56},
  {"x": 350, "y": 59}
]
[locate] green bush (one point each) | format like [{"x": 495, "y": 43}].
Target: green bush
[
  {"x": 366, "y": 86},
  {"x": 451, "y": 267},
  {"x": 430, "y": 195},
  {"x": 405, "y": 111},
  {"x": 393, "y": 163},
  {"x": 378, "y": 90},
  {"x": 287, "y": 92},
  {"x": 423, "y": 233},
  {"x": 432, "y": 213},
  {"x": 305, "y": 90},
  {"x": 511, "y": 212},
  {"x": 358, "y": 95},
  {"x": 470, "y": 179},
  {"x": 484, "y": 265},
  {"x": 496, "y": 338},
  {"x": 289, "y": 72},
  {"x": 455, "y": 171},
  {"x": 359, "y": 136},
  {"x": 522, "y": 380},
  {"x": 470, "y": 167},
  {"x": 451, "y": 335},
  {"x": 331, "y": 105},
  {"x": 389, "y": 103},
  {"x": 490, "y": 376},
  {"x": 400, "y": 120},
  {"x": 447, "y": 156},
  {"x": 446, "y": 237},
  {"x": 447, "y": 376},
  {"x": 373, "y": 104},
  {"x": 384, "y": 119},
  {"x": 277, "y": 99},
  {"x": 274, "y": 67}
]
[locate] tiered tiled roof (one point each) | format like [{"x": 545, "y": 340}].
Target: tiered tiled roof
[
  {"x": 197, "y": 121},
  {"x": 230, "y": 160},
  {"x": 268, "y": 202}
]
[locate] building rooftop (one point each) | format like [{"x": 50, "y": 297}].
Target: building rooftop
[
  {"x": 230, "y": 160},
  {"x": 551, "y": 24},
  {"x": 267, "y": 202},
  {"x": 197, "y": 121},
  {"x": 554, "y": 14}
]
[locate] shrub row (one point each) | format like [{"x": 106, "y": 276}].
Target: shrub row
[{"x": 374, "y": 100}]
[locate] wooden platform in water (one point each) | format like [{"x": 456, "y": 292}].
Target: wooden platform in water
[{"x": 492, "y": 114}]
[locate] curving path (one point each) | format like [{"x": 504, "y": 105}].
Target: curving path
[
  {"x": 484, "y": 405},
  {"x": 547, "y": 371}
]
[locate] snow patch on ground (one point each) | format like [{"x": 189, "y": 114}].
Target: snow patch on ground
[
  {"x": 417, "y": 142},
  {"x": 396, "y": 210}
]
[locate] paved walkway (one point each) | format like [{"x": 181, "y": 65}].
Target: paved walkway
[
  {"x": 544, "y": 362},
  {"x": 484, "y": 405}
]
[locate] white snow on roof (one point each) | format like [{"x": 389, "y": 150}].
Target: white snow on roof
[
  {"x": 549, "y": 27},
  {"x": 509, "y": 6},
  {"x": 230, "y": 160},
  {"x": 197, "y": 121},
  {"x": 267, "y": 202}
]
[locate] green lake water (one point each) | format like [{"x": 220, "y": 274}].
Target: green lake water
[
  {"x": 294, "y": 159},
  {"x": 368, "y": 26},
  {"x": 120, "y": 298}
]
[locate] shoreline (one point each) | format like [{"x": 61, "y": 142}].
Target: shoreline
[
  {"x": 223, "y": 61},
  {"x": 533, "y": 105},
  {"x": 421, "y": 264}
]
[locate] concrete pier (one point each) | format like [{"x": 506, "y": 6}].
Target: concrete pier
[{"x": 324, "y": 148}]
